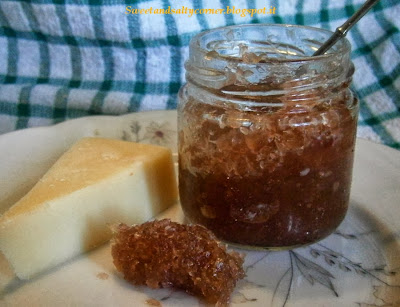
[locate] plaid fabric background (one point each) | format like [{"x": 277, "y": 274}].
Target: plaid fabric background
[{"x": 66, "y": 59}]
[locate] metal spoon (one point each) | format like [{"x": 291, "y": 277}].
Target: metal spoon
[{"x": 344, "y": 28}]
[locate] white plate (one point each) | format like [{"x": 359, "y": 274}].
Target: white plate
[{"x": 359, "y": 265}]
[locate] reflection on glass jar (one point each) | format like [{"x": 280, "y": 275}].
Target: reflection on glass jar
[{"x": 266, "y": 135}]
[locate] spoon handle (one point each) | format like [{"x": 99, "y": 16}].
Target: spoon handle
[{"x": 344, "y": 28}]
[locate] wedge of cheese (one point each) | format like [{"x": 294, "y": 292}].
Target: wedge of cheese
[{"x": 96, "y": 183}]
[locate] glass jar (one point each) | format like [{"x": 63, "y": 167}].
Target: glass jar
[{"x": 266, "y": 134}]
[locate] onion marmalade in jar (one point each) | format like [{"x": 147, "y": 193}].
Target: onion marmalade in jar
[{"x": 266, "y": 135}]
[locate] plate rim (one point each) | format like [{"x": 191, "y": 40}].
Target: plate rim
[{"x": 123, "y": 116}]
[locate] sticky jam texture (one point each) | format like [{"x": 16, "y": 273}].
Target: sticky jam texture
[
  {"x": 162, "y": 254},
  {"x": 268, "y": 177}
]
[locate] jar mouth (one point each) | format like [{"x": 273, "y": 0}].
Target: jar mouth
[
  {"x": 263, "y": 61},
  {"x": 266, "y": 43}
]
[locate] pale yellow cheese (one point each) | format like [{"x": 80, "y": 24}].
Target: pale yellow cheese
[{"x": 95, "y": 183}]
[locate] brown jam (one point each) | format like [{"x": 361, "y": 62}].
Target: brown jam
[
  {"x": 163, "y": 254},
  {"x": 266, "y": 134},
  {"x": 268, "y": 178}
]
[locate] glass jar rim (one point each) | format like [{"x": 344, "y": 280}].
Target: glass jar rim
[{"x": 341, "y": 47}]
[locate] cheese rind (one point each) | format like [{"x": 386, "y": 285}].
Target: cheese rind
[{"x": 96, "y": 183}]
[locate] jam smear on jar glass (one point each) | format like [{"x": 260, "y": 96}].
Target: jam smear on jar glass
[{"x": 266, "y": 136}]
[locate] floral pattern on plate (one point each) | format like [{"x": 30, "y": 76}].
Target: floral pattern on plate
[{"x": 155, "y": 133}]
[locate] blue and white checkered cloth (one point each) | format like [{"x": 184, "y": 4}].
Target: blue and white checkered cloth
[{"x": 66, "y": 59}]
